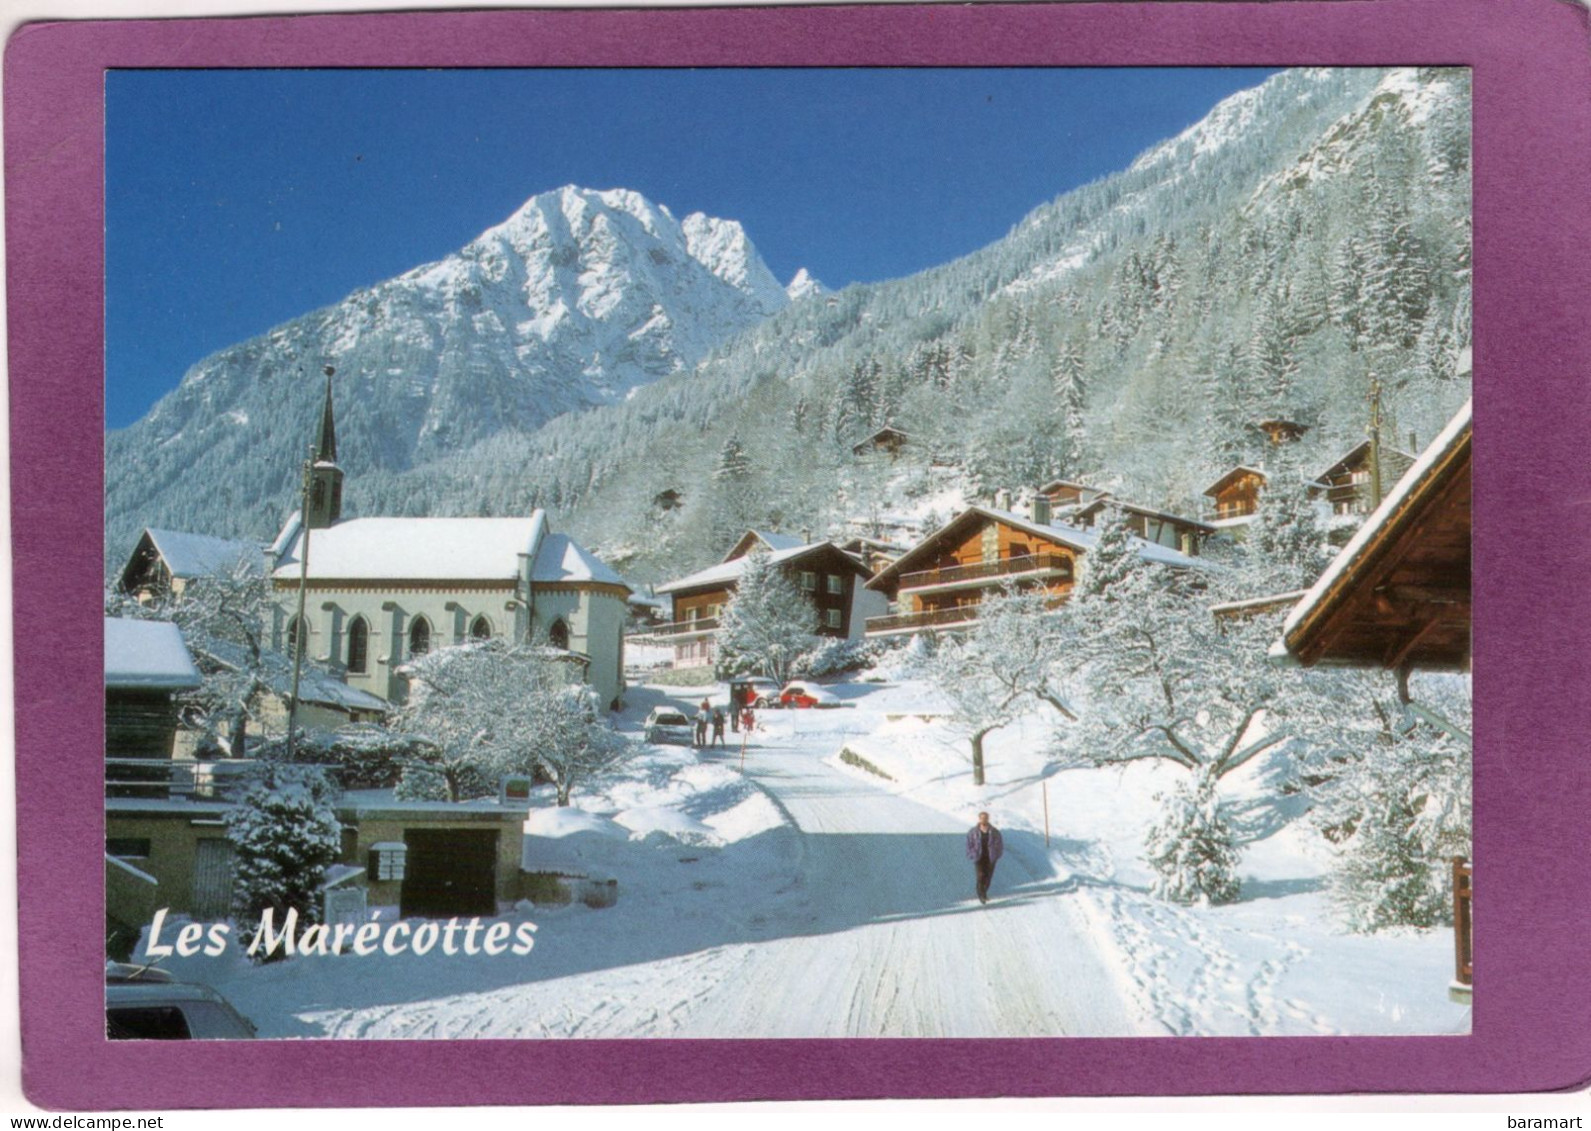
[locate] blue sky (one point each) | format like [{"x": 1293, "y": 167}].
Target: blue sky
[{"x": 236, "y": 200}]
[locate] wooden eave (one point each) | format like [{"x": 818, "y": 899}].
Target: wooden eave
[
  {"x": 1231, "y": 477},
  {"x": 1405, "y": 598}
]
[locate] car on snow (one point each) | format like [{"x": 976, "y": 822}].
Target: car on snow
[
  {"x": 759, "y": 691},
  {"x": 669, "y": 724},
  {"x": 806, "y": 695},
  {"x": 144, "y": 1004}
]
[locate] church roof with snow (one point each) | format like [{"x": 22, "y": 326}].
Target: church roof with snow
[{"x": 440, "y": 549}]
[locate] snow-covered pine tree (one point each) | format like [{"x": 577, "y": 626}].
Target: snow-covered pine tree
[
  {"x": 284, "y": 835},
  {"x": 767, "y": 623},
  {"x": 1191, "y": 847},
  {"x": 1286, "y": 548},
  {"x": 732, "y": 492}
]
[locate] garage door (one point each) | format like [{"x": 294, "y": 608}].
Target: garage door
[{"x": 450, "y": 872}]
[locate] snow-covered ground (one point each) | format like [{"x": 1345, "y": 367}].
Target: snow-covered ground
[{"x": 806, "y": 896}]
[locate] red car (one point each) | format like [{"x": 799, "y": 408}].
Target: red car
[{"x": 805, "y": 695}]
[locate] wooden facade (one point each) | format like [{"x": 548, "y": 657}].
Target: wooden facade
[
  {"x": 1237, "y": 493},
  {"x": 1282, "y": 431},
  {"x": 1064, "y": 493},
  {"x": 941, "y": 582},
  {"x": 1347, "y": 484},
  {"x": 830, "y": 579},
  {"x": 888, "y": 441}
]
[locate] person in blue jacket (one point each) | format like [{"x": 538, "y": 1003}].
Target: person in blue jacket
[{"x": 984, "y": 846}]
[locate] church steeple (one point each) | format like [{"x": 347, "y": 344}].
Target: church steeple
[
  {"x": 325, "y": 502},
  {"x": 326, "y": 445}
]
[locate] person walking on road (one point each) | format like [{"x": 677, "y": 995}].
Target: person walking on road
[
  {"x": 702, "y": 718},
  {"x": 984, "y": 846},
  {"x": 718, "y": 726}
]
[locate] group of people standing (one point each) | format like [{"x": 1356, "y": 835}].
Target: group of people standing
[{"x": 709, "y": 716}]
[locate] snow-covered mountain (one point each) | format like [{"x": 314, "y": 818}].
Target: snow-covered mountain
[
  {"x": 575, "y": 300},
  {"x": 1266, "y": 260}
]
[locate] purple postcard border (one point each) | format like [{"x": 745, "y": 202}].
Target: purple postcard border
[{"x": 1532, "y": 71}]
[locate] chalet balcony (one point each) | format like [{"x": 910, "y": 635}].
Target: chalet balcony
[
  {"x": 960, "y": 616},
  {"x": 980, "y": 574},
  {"x": 678, "y": 631},
  {"x": 899, "y": 623}
]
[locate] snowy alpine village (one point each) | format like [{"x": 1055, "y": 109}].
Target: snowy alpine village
[{"x": 586, "y": 635}]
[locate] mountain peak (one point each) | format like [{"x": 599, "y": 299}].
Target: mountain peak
[{"x": 803, "y": 284}]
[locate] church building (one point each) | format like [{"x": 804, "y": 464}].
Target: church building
[{"x": 380, "y": 591}]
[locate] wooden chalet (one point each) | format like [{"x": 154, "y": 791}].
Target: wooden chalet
[
  {"x": 875, "y": 553},
  {"x": 832, "y": 580},
  {"x": 941, "y": 581},
  {"x": 1063, "y": 494},
  {"x": 886, "y": 440},
  {"x": 1163, "y": 528},
  {"x": 1398, "y": 595},
  {"x": 165, "y": 562},
  {"x": 1347, "y": 484},
  {"x": 1236, "y": 495},
  {"x": 1280, "y": 432}
]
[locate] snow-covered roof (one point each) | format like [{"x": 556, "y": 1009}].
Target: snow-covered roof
[
  {"x": 561, "y": 558},
  {"x": 147, "y": 654},
  {"x": 1081, "y": 539},
  {"x": 277, "y": 671},
  {"x": 776, "y": 541},
  {"x": 1450, "y": 439},
  {"x": 440, "y": 549},
  {"x": 1107, "y": 500},
  {"x": 462, "y": 549},
  {"x": 729, "y": 571},
  {"x": 202, "y": 555}
]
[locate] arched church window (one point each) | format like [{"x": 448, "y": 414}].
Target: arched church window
[
  {"x": 294, "y": 646},
  {"x": 558, "y": 634},
  {"x": 480, "y": 628},
  {"x": 358, "y": 644},
  {"x": 419, "y": 637}
]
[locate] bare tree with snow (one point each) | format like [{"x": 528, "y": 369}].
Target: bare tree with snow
[
  {"x": 492, "y": 708},
  {"x": 1003, "y": 666}
]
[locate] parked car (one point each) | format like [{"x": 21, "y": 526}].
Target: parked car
[
  {"x": 806, "y": 695},
  {"x": 143, "y": 1004},
  {"x": 669, "y": 724},
  {"x": 759, "y": 691}
]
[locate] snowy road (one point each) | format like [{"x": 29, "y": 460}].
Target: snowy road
[
  {"x": 878, "y": 935},
  {"x": 911, "y": 952}
]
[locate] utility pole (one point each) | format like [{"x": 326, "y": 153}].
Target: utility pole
[
  {"x": 303, "y": 628},
  {"x": 299, "y": 643},
  {"x": 1375, "y": 441}
]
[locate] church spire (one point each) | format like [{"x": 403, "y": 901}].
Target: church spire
[
  {"x": 326, "y": 445},
  {"x": 324, "y": 503}
]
